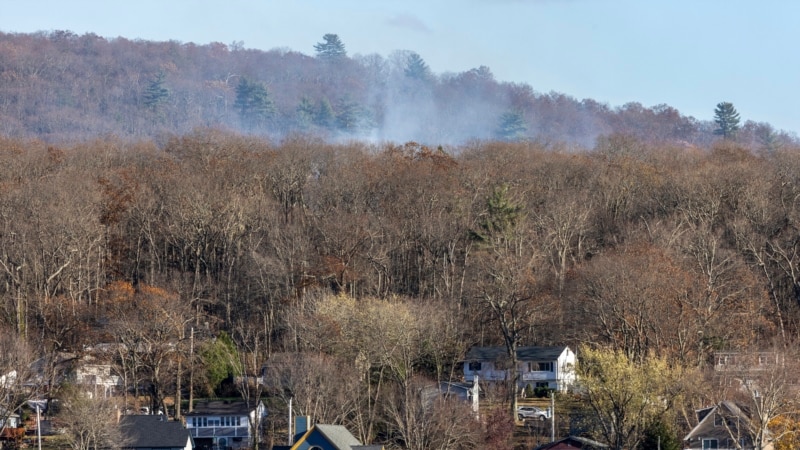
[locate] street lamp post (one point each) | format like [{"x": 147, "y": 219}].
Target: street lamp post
[{"x": 38, "y": 405}]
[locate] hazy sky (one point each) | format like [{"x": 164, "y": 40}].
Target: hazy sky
[{"x": 689, "y": 54}]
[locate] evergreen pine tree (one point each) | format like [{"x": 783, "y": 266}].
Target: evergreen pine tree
[
  {"x": 512, "y": 126},
  {"x": 253, "y": 102},
  {"x": 658, "y": 435},
  {"x": 332, "y": 49},
  {"x": 305, "y": 113},
  {"x": 349, "y": 115},
  {"x": 325, "y": 117},
  {"x": 416, "y": 68},
  {"x": 727, "y": 120},
  {"x": 156, "y": 93},
  {"x": 502, "y": 215}
]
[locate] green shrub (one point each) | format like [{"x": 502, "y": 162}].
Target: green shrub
[{"x": 542, "y": 392}]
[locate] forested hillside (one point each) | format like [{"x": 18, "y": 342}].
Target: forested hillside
[
  {"x": 62, "y": 87},
  {"x": 236, "y": 224},
  {"x": 215, "y": 213},
  {"x": 650, "y": 250}
]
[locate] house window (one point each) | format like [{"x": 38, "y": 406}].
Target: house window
[
  {"x": 710, "y": 443},
  {"x": 543, "y": 366},
  {"x": 718, "y": 420},
  {"x": 474, "y": 366}
]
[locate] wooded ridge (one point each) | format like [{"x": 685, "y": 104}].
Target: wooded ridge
[
  {"x": 215, "y": 232},
  {"x": 63, "y": 87}
]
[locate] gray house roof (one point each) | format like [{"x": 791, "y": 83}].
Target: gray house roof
[
  {"x": 339, "y": 436},
  {"x": 523, "y": 353},
  {"x": 152, "y": 432}
]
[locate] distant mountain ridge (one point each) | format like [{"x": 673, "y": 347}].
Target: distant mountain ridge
[{"x": 59, "y": 86}]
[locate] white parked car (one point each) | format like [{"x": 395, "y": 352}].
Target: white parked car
[{"x": 531, "y": 412}]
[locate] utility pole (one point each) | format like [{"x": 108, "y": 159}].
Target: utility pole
[
  {"x": 177, "y": 393},
  {"x": 291, "y": 422},
  {"x": 191, "y": 369},
  {"x": 552, "y": 416}
]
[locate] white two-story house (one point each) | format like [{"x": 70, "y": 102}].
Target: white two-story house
[{"x": 549, "y": 367}]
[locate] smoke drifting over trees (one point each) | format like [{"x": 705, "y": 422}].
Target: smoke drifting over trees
[{"x": 60, "y": 86}]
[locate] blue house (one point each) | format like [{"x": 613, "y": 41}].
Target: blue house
[
  {"x": 224, "y": 425},
  {"x": 323, "y": 437}
]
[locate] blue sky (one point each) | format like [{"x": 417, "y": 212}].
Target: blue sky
[{"x": 689, "y": 54}]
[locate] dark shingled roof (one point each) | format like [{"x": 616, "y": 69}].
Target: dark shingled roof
[
  {"x": 152, "y": 432},
  {"x": 573, "y": 442},
  {"x": 523, "y": 353},
  {"x": 220, "y": 408}
]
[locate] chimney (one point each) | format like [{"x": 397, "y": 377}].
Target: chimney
[{"x": 301, "y": 425}]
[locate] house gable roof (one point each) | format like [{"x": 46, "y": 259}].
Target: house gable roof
[
  {"x": 707, "y": 428},
  {"x": 573, "y": 442},
  {"x": 523, "y": 353},
  {"x": 337, "y": 436},
  {"x": 451, "y": 387},
  {"x": 140, "y": 431}
]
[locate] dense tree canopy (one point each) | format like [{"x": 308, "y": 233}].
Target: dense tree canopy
[{"x": 394, "y": 258}]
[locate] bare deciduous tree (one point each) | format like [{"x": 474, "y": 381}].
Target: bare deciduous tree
[
  {"x": 421, "y": 418},
  {"x": 18, "y": 382},
  {"x": 91, "y": 423}
]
